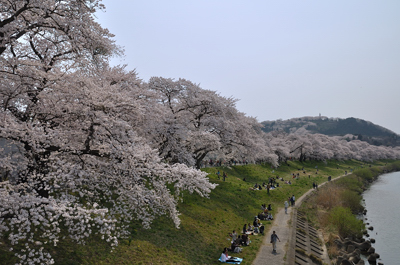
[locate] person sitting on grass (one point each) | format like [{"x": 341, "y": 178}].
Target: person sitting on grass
[
  {"x": 262, "y": 230},
  {"x": 263, "y": 216},
  {"x": 233, "y": 235},
  {"x": 256, "y": 224},
  {"x": 245, "y": 240},
  {"x": 239, "y": 241},
  {"x": 236, "y": 247},
  {"x": 270, "y": 217},
  {"x": 225, "y": 257},
  {"x": 249, "y": 227}
]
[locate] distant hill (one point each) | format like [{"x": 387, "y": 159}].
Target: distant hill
[{"x": 351, "y": 128}]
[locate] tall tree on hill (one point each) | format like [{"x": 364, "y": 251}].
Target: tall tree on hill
[{"x": 77, "y": 123}]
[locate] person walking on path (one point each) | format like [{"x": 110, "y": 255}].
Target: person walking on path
[
  {"x": 274, "y": 237},
  {"x": 286, "y": 206}
]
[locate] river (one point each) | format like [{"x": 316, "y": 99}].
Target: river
[{"x": 383, "y": 213}]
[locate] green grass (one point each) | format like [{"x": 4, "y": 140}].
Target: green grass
[{"x": 205, "y": 222}]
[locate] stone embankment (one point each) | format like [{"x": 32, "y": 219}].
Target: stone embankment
[
  {"x": 306, "y": 245},
  {"x": 351, "y": 252}
]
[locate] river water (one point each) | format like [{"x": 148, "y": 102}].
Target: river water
[{"x": 382, "y": 201}]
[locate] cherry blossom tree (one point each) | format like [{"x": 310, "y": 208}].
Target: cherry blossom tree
[
  {"x": 197, "y": 123},
  {"x": 78, "y": 125},
  {"x": 81, "y": 150},
  {"x": 279, "y": 145}
]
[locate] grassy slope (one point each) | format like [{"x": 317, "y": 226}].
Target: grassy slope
[{"x": 205, "y": 222}]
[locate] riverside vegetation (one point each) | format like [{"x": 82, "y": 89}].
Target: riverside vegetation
[
  {"x": 206, "y": 222},
  {"x": 337, "y": 207}
]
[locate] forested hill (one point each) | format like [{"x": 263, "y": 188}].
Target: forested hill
[{"x": 353, "y": 128}]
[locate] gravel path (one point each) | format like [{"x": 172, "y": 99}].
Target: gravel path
[{"x": 281, "y": 226}]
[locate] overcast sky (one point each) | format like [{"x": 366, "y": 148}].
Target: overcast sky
[{"x": 281, "y": 59}]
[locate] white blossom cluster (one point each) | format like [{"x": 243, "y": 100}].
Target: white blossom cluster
[{"x": 33, "y": 256}]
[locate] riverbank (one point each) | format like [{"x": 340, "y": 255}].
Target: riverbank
[{"x": 346, "y": 236}]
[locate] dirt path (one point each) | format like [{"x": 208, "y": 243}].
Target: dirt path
[
  {"x": 281, "y": 228},
  {"x": 282, "y": 225}
]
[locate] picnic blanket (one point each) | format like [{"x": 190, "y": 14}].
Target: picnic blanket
[{"x": 237, "y": 260}]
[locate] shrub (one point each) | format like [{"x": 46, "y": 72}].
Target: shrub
[
  {"x": 376, "y": 170},
  {"x": 333, "y": 252},
  {"x": 393, "y": 166},
  {"x": 346, "y": 223},
  {"x": 351, "y": 182},
  {"x": 364, "y": 173},
  {"x": 329, "y": 197},
  {"x": 352, "y": 200}
]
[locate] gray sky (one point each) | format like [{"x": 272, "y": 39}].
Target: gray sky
[{"x": 281, "y": 59}]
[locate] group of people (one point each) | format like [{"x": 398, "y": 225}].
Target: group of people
[
  {"x": 268, "y": 186},
  {"x": 221, "y": 162},
  {"x": 315, "y": 184},
  {"x": 224, "y": 175},
  {"x": 296, "y": 176},
  {"x": 240, "y": 240},
  {"x": 226, "y": 258},
  {"x": 266, "y": 213},
  {"x": 272, "y": 183},
  {"x": 291, "y": 201}
]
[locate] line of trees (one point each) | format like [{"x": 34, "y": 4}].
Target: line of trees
[
  {"x": 304, "y": 147},
  {"x": 98, "y": 147}
]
